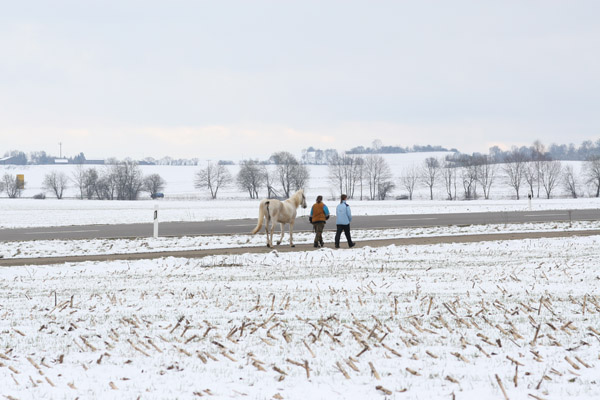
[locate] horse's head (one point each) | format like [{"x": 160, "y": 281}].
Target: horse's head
[{"x": 303, "y": 203}]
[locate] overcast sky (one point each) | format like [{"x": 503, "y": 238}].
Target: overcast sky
[{"x": 232, "y": 79}]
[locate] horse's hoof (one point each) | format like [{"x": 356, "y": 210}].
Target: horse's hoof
[
  {"x": 278, "y": 243},
  {"x": 293, "y": 245}
]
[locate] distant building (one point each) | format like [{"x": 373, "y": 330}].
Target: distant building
[{"x": 61, "y": 161}]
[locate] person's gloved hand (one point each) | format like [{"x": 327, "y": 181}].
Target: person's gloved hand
[
  {"x": 310, "y": 219},
  {"x": 327, "y": 217}
]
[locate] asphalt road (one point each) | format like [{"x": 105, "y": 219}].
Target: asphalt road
[{"x": 243, "y": 226}]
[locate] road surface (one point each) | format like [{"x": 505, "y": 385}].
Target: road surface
[{"x": 244, "y": 226}]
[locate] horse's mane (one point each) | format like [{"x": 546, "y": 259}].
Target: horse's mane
[{"x": 297, "y": 197}]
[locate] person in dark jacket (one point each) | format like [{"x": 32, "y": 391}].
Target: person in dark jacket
[
  {"x": 319, "y": 213},
  {"x": 343, "y": 217}
]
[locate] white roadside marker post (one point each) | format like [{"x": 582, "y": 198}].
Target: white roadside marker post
[{"x": 156, "y": 221}]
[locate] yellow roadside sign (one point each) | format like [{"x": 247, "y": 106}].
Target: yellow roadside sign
[{"x": 20, "y": 181}]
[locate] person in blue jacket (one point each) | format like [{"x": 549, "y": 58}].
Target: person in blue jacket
[{"x": 342, "y": 219}]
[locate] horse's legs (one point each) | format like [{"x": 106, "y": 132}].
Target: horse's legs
[
  {"x": 282, "y": 231},
  {"x": 267, "y": 232},
  {"x": 292, "y": 234},
  {"x": 271, "y": 233}
]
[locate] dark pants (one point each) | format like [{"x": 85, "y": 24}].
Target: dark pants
[
  {"x": 319, "y": 231},
  {"x": 338, "y": 233}
]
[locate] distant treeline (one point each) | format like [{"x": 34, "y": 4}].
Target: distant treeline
[
  {"x": 565, "y": 152},
  {"x": 586, "y": 151},
  {"x": 397, "y": 149},
  {"x": 312, "y": 155},
  {"x": 561, "y": 152},
  {"x": 17, "y": 157}
]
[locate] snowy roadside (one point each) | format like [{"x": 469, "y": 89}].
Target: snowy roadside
[
  {"x": 26, "y": 213},
  {"x": 469, "y": 320},
  {"x": 58, "y": 248}
]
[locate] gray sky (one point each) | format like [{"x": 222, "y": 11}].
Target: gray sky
[{"x": 230, "y": 79}]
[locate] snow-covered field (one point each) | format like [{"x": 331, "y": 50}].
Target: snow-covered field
[
  {"x": 413, "y": 322},
  {"x": 185, "y": 203},
  {"x": 416, "y": 322},
  {"x": 180, "y": 180}
]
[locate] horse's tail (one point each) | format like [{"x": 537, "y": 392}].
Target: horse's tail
[{"x": 263, "y": 210}]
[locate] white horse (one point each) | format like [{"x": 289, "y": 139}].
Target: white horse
[{"x": 282, "y": 212}]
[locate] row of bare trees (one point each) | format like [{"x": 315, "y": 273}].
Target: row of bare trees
[
  {"x": 285, "y": 176},
  {"x": 121, "y": 181},
  {"x": 369, "y": 176},
  {"x": 540, "y": 176},
  {"x": 464, "y": 176}
]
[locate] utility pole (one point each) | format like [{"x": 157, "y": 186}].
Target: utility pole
[{"x": 60, "y": 151}]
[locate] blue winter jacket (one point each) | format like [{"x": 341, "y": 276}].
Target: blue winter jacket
[{"x": 343, "y": 214}]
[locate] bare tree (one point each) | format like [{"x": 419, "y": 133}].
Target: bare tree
[
  {"x": 378, "y": 174},
  {"x": 213, "y": 177},
  {"x": 430, "y": 172},
  {"x": 106, "y": 186},
  {"x": 345, "y": 173},
  {"x": 11, "y": 186},
  {"x": 338, "y": 172},
  {"x": 384, "y": 189},
  {"x": 409, "y": 179},
  {"x": 118, "y": 180},
  {"x": 285, "y": 164},
  {"x": 90, "y": 183},
  {"x": 468, "y": 176},
  {"x": 291, "y": 174},
  {"x": 486, "y": 173},
  {"x": 550, "y": 175},
  {"x": 128, "y": 179},
  {"x": 251, "y": 177},
  {"x": 538, "y": 156},
  {"x": 592, "y": 173},
  {"x": 515, "y": 163},
  {"x": 154, "y": 183},
  {"x": 469, "y": 181},
  {"x": 531, "y": 174},
  {"x": 569, "y": 181},
  {"x": 55, "y": 182},
  {"x": 269, "y": 182},
  {"x": 361, "y": 172},
  {"x": 448, "y": 169},
  {"x": 300, "y": 177},
  {"x": 78, "y": 178}
]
